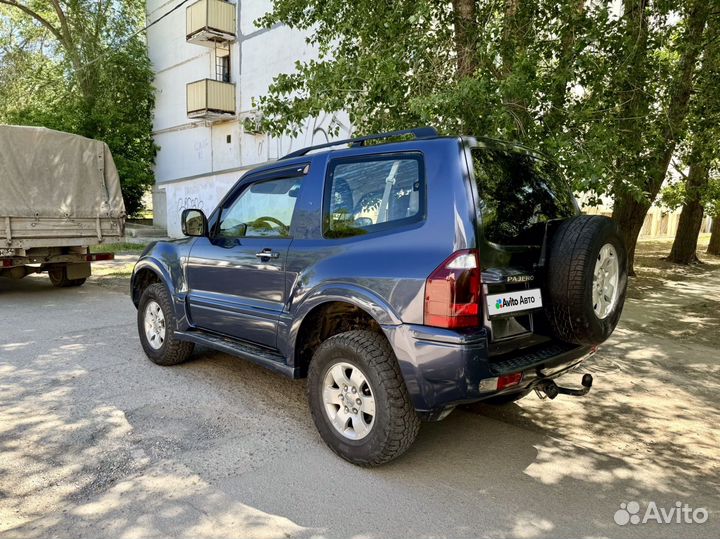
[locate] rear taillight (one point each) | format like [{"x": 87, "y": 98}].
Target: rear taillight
[{"x": 452, "y": 292}]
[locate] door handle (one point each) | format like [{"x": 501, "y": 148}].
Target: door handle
[{"x": 267, "y": 253}]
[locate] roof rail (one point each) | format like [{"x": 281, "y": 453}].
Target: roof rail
[{"x": 418, "y": 132}]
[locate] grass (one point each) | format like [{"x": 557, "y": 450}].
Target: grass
[{"x": 123, "y": 247}]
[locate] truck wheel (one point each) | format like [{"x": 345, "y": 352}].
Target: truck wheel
[
  {"x": 156, "y": 326},
  {"x": 358, "y": 399},
  {"x": 586, "y": 279},
  {"x": 58, "y": 278}
]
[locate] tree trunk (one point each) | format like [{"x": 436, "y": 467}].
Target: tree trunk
[
  {"x": 630, "y": 216},
  {"x": 564, "y": 70},
  {"x": 714, "y": 245},
  {"x": 627, "y": 207},
  {"x": 685, "y": 245},
  {"x": 465, "y": 19}
]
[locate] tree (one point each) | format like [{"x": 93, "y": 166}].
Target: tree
[
  {"x": 77, "y": 66},
  {"x": 714, "y": 245},
  {"x": 713, "y": 209},
  {"x": 684, "y": 246},
  {"x": 462, "y": 66},
  {"x": 605, "y": 92},
  {"x": 703, "y": 136}
]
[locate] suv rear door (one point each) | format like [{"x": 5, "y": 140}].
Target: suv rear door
[
  {"x": 236, "y": 276},
  {"x": 517, "y": 195}
]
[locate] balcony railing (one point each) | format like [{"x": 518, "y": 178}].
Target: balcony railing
[
  {"x": 209, "y": 22},
  {"x": 210, "y": 99}
]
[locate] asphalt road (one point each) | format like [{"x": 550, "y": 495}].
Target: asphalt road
[{"x": 96, "y": 441}]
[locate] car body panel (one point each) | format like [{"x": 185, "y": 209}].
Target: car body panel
[{"x": 246, "y": 308}]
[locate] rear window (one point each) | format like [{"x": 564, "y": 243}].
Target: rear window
[{"x": 517, "y": 194}]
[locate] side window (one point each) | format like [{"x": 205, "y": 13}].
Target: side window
[
  {"x": 367, "y": 194},
  {"x": 264, "y": 209}
]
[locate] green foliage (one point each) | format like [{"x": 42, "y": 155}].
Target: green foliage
[
  {"x": 591, "y": 84},
  {"x": 87, "y": 76},
  {"x": 700, "y": 145},
  {"x": 394, "y": 65}
]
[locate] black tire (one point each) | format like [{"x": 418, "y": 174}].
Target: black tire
[
  {"x": 58, "y": 278},
  {"x": 172, "y": 351},
  {"x": 396, "y": 424},
  {"x": 573, "y": 250},
  {"x": 501, "y": 400}
]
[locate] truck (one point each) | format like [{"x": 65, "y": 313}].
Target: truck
[
  {"x": 59, "y": 195},
  {"x": 403, "y": 274}
]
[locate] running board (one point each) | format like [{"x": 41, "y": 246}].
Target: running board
[{"x": 257, "y": 354}]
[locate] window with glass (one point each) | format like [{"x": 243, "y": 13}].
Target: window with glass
[
  {"x": 373, "y": 193},
  {"x": 222, "y": 66},
  {"x": 518, "y": 193},
  {"x": 264, "y": 209}
]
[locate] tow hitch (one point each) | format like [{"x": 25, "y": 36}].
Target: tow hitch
[{"x": 549, "y": 389}]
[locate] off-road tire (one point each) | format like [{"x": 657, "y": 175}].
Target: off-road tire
[
  {"x": 58, "y": 278},
  {"x": 172, "y": 351},
  {"x": 396, "y": 424},
  {"x": 573, "y": 249}
]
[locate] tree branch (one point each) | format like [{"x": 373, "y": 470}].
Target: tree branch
[
  {"x": 65, "y": 30},
  {"x": 35, "y": 15}
]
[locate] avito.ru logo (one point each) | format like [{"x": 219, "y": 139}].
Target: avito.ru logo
[
  {"x": 629, "y": 513},
  {"x": 526, "y": 301}
]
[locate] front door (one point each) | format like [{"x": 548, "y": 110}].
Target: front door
[{"x": 236, "y": 276}]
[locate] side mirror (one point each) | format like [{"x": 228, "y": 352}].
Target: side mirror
[{"x": 194, "y": 223}]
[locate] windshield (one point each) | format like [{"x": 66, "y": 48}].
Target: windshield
[{"x": 518, "y": 193}]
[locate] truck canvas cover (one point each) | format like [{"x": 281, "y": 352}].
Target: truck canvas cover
[{"x": 54, "y": 185}]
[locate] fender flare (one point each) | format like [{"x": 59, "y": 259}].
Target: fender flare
[
  {"x": 156, "y": 267},
  {"x": 163, "y": 273},
  {"x": 360, "y": 297}
]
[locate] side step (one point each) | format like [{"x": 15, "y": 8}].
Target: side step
[{"x": 257, "y": 354}]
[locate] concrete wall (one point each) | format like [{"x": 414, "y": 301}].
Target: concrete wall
[
  {"x": 198, "y": 161},
  {"x": 659, "y": 223}
]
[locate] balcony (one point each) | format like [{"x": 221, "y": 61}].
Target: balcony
[
  {"x": 210, "y": 100},
  {"x": 210, "y": 23}
]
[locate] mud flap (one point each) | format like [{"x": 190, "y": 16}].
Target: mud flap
[{"x": 78, "y": 271}]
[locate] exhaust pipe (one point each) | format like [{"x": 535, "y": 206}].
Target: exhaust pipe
[{"x": 549, "y": 389}]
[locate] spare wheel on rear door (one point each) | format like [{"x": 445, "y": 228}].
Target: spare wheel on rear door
[{"x": 586, "y": 279}]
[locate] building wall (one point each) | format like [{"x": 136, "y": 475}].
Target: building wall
[{"x": 199, "y": 160}]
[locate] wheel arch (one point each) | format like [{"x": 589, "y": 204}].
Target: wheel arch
[
  {"x": 147, "y": 272},
  {"x": 333, "y": 310}
]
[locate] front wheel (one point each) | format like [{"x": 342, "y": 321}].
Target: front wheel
[
  {"x": 358, "y": 399},
  {"x": 156, "y": 323}
]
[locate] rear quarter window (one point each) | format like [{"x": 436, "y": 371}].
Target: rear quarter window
[{"x": 373, "y": 193}]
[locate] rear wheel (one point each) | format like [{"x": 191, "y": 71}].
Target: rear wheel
[
  {"x": 586, "y": 279},
  {"x": 358, "y": 399},
  {"x": 156, "y": 326},
  {"x": 59, "y": 279}
]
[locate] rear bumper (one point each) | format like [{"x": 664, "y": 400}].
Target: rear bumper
[{"x": 444, "y": 368}]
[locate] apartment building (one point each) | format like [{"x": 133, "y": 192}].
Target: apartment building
[{"x": 210, "y": 60}]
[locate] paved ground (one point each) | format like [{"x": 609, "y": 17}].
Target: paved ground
[{"x": 96, "y": 441}]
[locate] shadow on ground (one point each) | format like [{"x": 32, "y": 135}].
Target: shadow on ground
[{"x": 98, "y": 442}]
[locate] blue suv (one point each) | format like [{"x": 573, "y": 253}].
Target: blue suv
[{"x": 403, "y": 274}]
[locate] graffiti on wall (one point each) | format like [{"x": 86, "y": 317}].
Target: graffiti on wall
[
  {"x": 185, "y": 203},
  {"x": 315, "y": 131}
]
